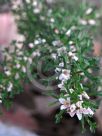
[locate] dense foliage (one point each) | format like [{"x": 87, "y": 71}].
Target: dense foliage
[{"x": 54, "y": 52}]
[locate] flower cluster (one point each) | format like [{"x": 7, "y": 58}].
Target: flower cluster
[
  {"x": 64, "y": 75},
  {"x": 77, "y": 107},
  {"x": 88, "y": 21}
]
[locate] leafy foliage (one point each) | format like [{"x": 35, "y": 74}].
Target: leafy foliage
[{"x": 55, "y": 53}]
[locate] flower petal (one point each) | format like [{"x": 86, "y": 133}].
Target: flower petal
[
  {"x": 62, "y": 100},
  {"x": 90, "y": 111},
  {"x": 72, "y": 107},
  {"x": 63, "y": 107},
  {"x": 79, "y": 115}
]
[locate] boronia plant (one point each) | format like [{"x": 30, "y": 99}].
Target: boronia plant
[{"x": 55, "y": 54}]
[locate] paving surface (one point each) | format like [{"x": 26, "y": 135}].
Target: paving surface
[{"x": 6, "y": 130}]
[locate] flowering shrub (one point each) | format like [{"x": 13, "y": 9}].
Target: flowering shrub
[{"x": 54, "y": 53}]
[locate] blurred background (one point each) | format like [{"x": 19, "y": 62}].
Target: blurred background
[{"x": 30, "y": 114}]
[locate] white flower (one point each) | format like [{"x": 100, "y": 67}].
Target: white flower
[
  {"x": 43, "y": 40},
  {"x": 72, "y": 48},
  {"x": 83, "y": 22},
  {"x": 65, "y": 75},
  {"x": 57, "y": 70},
  {"x": 70, "y": 54},
  {"x": 36, "y": 53},
  {"x": 18, "y": 66},
  {"x": 87, "y": 111},
  {"x": 79, "y": 104},
  {"x": 65, "y": 103},
  {"x": 79, "y": 114},
  {"x": 71, "y": 90},
  {"x": 68, "y": 33},
  {"x": 15, "y": 4},
  {"x": 90, "y": 111},
  {"x": 85, "y": 95},
  {"x": 17, "y": 76},
  {"x": 35, "y": 3},
  {"x": 60, "y": 85},
  {"x": 0, "y": 101},
  {"x": 73, "y": 56},
  {"x": 36, "y": 10},
  {"x": 80, "y": 97},
  {"x": 25, "y": 58},
  {"x": 82, "y": 74},
  {"x": 0, "y": 98},
  {"x": 10, "y": 86},
  {"x": 52, "y": 20},
  {"x": 90, "y": 70},
  {"x": 19, "y": 45},
  {"x": 36, "y": 42},
  {"x": 61, "y": 64},
  {"x": 24, "y": 69},
  {"x": 72, "y": 108},
  {"x": 31, "y": 45},
  {"x": 8, "y": 73},
  {"x": 54, "y": 56},
  {"x": 71, "y": 42},
  {"x": 88, "y": 11},
  {"x": 56, "y": 31},
  {"x": 30, "y": 60},
  {"x": 92, "y": 22},
  {"x": 79, "y": 110}
]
